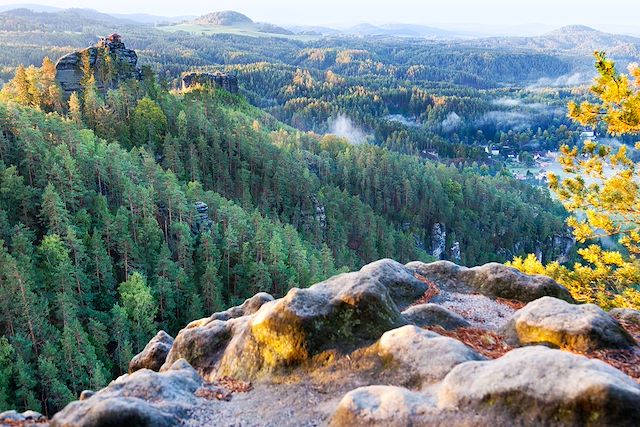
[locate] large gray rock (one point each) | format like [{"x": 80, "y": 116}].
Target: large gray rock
[
  {"x": 203, "y": 341},
  {"x": 572, "y": 327},
  {"x": 626, "y": 315},
  {"x": 154, "y": 354},
  {"x": 404, "y": 288},
  {"x": 342, "y": 313},
  {"x": 541, "y": 386},
  {"x": 250, "y": 306},
  {"x": 529, "y": 386},
  {"x": 429, "y": 357},
  {"x": 493, "y": 280},
  {"x": 202, "y": 344},
  {"x": 424, "y": 315},
  {"x": 142, "y": 399}
]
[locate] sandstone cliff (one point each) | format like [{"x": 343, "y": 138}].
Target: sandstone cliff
[
  {"x": 390, "y": 345},
  {"x": 225, "y": 81},
  {"x": 109, "y": 60}
]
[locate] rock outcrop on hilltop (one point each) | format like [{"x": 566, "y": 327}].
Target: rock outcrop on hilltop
[
  {"x": 225, "y": 81},
  {"x": 109, "y": 60},
  {"x": 389, "y": 345}
]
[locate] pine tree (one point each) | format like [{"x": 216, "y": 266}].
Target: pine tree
[
  {"x": 139, "y": 304},
  {"x": 75, "y": 109},
  {"x": 121, "y": 337},
  {"x": 53, "y": 212},
  {"x": 6, "y": 374}
]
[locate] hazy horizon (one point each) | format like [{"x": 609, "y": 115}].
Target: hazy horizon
[{"x": 461, "y": 14}]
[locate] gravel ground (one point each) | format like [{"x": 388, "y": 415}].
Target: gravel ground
[{"x": 479, "y": 310}]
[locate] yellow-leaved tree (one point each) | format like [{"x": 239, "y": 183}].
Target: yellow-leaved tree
[{"x": 602, "y": 193}]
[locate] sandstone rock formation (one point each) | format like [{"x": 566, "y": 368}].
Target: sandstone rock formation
[
  {"x": 528, "y": 386},
  {"x": 572, "y": 327},
  {"x": 342, "y": 352},
  {"x": 154, "y": 354},
  {"x": 225, "y": 81},
  {"x": 109, "y": 60},
  {"x": 434, "y": 315},
  {"x": 493, "y": 279}
]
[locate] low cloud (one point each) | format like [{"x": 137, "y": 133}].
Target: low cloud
[
  {"x": 399, "y": 118},
  {"x": 451, "y": 122},
  {"x": 506, "y": 119},
  {"x": 344, "y": 127},
  {"x": 575, "y": 79}
]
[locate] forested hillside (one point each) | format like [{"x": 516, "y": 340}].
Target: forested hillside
[{"x": 103, "y": 244}]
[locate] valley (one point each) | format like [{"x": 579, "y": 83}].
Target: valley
[{"x": 204, "y": 214}]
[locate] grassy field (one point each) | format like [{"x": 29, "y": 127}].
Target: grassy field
[{"x": 238, "y": 30}]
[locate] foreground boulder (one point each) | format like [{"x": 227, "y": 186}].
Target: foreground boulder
[
  {"x": 541, "y": 386},
  {"x": 424, "y": 315},
  {"x": 529, "y": 386},
  {"x": 154, "y": 354},
  {"x": 203, "y": 341},
  {"x": 580, "y": 328},
  {"x": 339, "y": 314},
  {"x": 493, "y": 279},
  {"x": 142, "y": 399},
  {"x": 429, "y": 357},
  {"x": 382, "y": 406}
]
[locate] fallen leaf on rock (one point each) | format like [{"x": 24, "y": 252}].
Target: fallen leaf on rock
[
  {"x": 511, "y": 303},
  {"x": 235, "y": 385},
  {"x": 431, "y": 292},
  {"x": 485, "y": 342},
  {"x": 213, "y": 393}
]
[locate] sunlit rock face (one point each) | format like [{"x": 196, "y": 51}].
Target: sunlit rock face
[
  {"x": 571, "y": 327},
  {"x": 109, "y": 61},
  {"x": 224, "y": 81}
]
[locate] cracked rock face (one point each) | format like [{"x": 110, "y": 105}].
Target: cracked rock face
[{"x": 580, "y": 328}]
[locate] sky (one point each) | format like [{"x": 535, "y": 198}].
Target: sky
[{"x": 482, "y": 13}]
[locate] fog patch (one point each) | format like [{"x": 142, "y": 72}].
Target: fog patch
[
  {"x": 451, "y": 122},
  {"x": 344, "y": 127},
  {"x": 507, "y": 102},
  {"x": 575, "y": 79},
  {"x": 399, "y": 118},
  {"x": 506, "y": 119}
]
